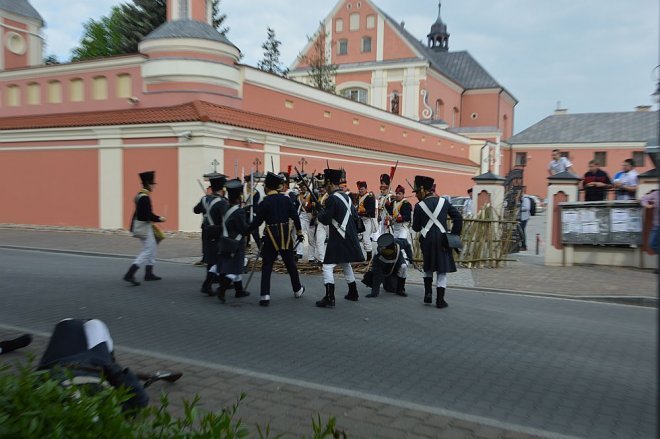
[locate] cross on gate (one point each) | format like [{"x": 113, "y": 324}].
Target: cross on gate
[
  {"x": 302, "y": 163},
  {"x": 215, "y": 164},
  {"x": 256, "y": 163}
]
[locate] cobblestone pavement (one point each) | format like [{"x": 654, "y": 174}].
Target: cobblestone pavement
[
  {"x": 508, "y": 361},
  {"x": 288, "y": 408}
]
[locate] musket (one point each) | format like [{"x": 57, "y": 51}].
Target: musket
[
  {"x": 315, "y": 199},
  {"x": 202, "y": 186}
]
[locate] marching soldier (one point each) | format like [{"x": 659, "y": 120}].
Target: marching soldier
[
  {"x": 253, "y": 199},
  {"x": 384, "y": 199},
  {"x": 322, "y": 230},
  {"x": 366, "y": 208},
  {"x": 343, "y": 243},
  {"x": 430, "y": 220},
  {"x": 212, "y": 206},
  {"x": 142, "y": 228},
  {"x": 400, "y": 212},
  {"x": 389, "y": 266},
  {"x": 276, "y": 210},
  {"x": 231, "y": 244},
  {"x": 308, "y": 222}
]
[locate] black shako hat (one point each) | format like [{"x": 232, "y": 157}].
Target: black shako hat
[
  {"x": 148, "y": 177},
  {"x": 332, "y": 176},
  {"x": 273, "y": 181},
  {"x": 234, "y": 188},
  {"x": 218, "y": 182},
  {"x": 422, "y": 182}
]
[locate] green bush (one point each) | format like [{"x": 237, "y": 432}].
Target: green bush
[{"x": 35, "y": 405}]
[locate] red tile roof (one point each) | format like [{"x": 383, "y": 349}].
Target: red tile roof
[{"x": 206, "y": 112}]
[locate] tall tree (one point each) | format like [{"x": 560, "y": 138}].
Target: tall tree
[
  {"x": 321, "y": 71},
  {"x": 121, "y": 32},
  {"x": 271, "y": 60}
]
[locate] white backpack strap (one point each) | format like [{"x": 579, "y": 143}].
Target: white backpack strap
[
  {"x": 433, "y": 217},
  {"x": 208, "y": 207},
  {"x": 341, "y": 228},
  {"x": 225, "y": 217}
]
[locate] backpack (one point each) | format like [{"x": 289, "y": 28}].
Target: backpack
[{"x": 532, "y": 206}]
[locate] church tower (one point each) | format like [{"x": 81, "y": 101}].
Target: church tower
[
  {"x": 21, "y": 43},
  {"x": 439, "y": 37}
]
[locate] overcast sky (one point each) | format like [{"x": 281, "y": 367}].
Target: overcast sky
[{"x": 592, "y": 55}]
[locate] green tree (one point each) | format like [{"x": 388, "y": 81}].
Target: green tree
[
  {"x": 51, "y": 60},
  {"x": 121, "y": 32},
  {"x": 321, "y": 72},
  {"x": 271, "y": 60}
]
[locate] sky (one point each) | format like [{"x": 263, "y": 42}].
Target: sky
[{"x": 589, "y": 55}]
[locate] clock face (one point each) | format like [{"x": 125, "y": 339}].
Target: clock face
[{"x": 16, "y": 43}]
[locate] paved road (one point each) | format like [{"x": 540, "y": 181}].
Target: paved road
[{"x": 575, "y": 368}]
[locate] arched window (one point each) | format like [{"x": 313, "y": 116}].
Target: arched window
[
  {"x": 13, "y": 96},
  {"x": 54, "y": 92},
  {"x": 439, "y": 109},
  {"x": 76, "y": 90},
  {"x": 124, "y": 86},
  {"x": 100, "y": 88},
  {"x": 34, "y": 93},
  {"x": 356, "y": 94}
]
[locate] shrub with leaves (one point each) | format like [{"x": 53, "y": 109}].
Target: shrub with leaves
[{"x": 37, "y": 405}]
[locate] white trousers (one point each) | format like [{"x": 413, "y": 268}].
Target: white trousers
[
  {"x": 321, "y": 236},
  {"x": 329, "y": 277},
  {"x": 234, "y": 277},
  {"x": 370, "y": 227},
  {"x": 148, "y": 254},
  {"x": 311, "y": 242},
  {"x": 442, "y": 279},
  {"x": 400, "y": 231}
]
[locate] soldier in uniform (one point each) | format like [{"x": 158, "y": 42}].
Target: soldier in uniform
[
  {"x": 430, "y": 220},
  {"x": 400, "y": 212},
  {"x": 143, "y": 218},
  {"x": 366, "y": 208},
  {"x": 212, "y": 206},
  {"x": 343, "y": 243},
  {"x": 253, "y": 200},
  {"x": 231, "y": 244},
  {"x": 322, "y": 231},
  {"x": 276, "y": 210},
  {"x": 389, "y": 266},
  {"x": 384, "y": 199},
  {"x": 307, "y": 221}
]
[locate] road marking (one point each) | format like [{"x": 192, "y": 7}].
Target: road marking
[{"x": 323, "y": 388}]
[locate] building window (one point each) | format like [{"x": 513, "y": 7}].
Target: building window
[
  {"x": 54, "y": 92},
  {"x": 16, "y": 43},
  {"x": 356, "y": 94},
  {"x": 124, "y": 86},
  {"x": 371, "y": 21},
  {"x": 354, "y": 22},
  {"x": 343, "y": 47},
  {"x": 33, "y": 94},
  {"x": 339, "y": 25},
  {"x": 521, "y": 159},
  {"x": 439, "y": 109},
  {"x": 13, "y": 96},
  {"x": 366, "y": 44},
  {"x": 100, "y": 88},
  {"x": 601, "y": 158},
  {"x": 76, "y": 90},
  {"x": 639, "y": 158}
]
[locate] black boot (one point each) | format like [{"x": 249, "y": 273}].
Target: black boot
[
  {"x": 17, "y": 343},
  {"x": 149, "y": 275},
  {"x": 428, "y": 290},
  {"x": 440, "y": 301},
  {"x": 352, "y": 292},
  {"x": 207, "y": 286},
  {"x": 225, "y": 283},
  {"x": 375, "y": 292},
  {"x": 238, "y": 286},
  {"x": 329, "y": 300},
  {"x": 130, "y": 275},
  {"x": 265, "y": 300},
  {"x": 401, "y": 287}
]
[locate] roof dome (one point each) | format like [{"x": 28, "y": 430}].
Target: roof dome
[
  {"x": 20, "y": 7},
  {"x": 187, "y": 29}
]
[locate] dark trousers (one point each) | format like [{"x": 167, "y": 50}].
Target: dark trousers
[
  {"x": 523, "y": 233},
  {"x": 269, "y": 255}
]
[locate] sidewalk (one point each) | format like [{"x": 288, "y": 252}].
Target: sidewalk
[
  {"x": 288, "y": 408},
  {"x": 526, "y": 275}
]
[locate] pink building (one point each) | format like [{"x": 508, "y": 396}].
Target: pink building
[
  {"x": 184, "y": 102},
  {"x": 609, "y": 138}
]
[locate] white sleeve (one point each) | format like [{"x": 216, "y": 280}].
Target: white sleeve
[{"x": 567, "y": 163}]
